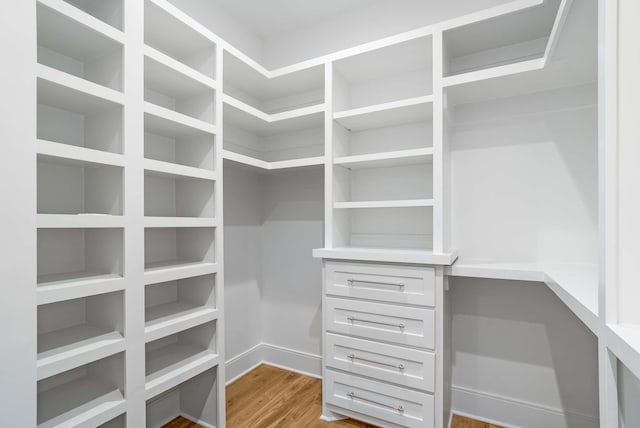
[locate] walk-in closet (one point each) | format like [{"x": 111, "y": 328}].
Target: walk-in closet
[{"x": 336, "y": 213}]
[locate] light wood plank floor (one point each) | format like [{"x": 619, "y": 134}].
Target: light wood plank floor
[{"x": 269, "y": 397}]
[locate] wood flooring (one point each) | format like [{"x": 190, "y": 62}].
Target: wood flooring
[{"x": 269, "y": 397}]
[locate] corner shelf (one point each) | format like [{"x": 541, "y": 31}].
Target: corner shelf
[
  {"x": 274, "y": 165},
  {"x": 387, "y": 114}
]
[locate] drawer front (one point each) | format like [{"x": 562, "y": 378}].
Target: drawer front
[
  {"x": 389, "y": 403},
  {"x": 390, "y": 363},
  {"x": 396, "y": 324},
  {"x": 396, "y": 284}
]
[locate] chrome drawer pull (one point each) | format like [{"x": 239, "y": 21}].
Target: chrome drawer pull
[
  {"x": 399, "y": 325},
  {"x": 353, "y": 395},
  {"x": 395, "y": 366},
  {"x": 393, "y": 284}
]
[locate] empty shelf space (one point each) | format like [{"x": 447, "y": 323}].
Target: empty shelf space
[
  {"x": 272, "y": 94},
  {"x": 173, "y": 306},
  {"x": 66, "y": 254},
  {"x": 274, "y": 165},
  {"x": 74, "y": 346},
  {"x": 388, "y": 114},
  {"x": 386, "y": 159},
  {"x": 176, "y": 358},
  {"x": 575, "y": 285},
  {"x": 180, "y": 37},
  {"x": 67, "y": 186},
  {"x": 89, "y": 395},
  {"x": 56, "y": 287},
  {"x": 400, "y": 203},
  {"x": 396, "y": 72},
  {"x": 73, "y": 47},
  {"x": 171, "y": 89},
  {"x": 499, "y": 36},
  {"x": 71, "y": 116},
  {"x": 168, "y": 195},
  {"x": 170, "y": 250}
]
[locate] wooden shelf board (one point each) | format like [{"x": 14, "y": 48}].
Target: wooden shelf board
[
  {"x": 72, "y": 347},
  {"x": 55, "y": 288},
  {"x": 575, "y": 285},
  {"x": 403, "y": 203},
  {"x": 84, "y": 402},
  {"x": 50, "y": 221},
  {"x": 390, "y": 255},
  {"x": 386, "y": 159},
  {"x": 177, "y": 170},
  {"x": 275, "y": 165},
  {"x": 62, "y": 90},
  {"x": 80, "y": 154},
  {"x": 172, "y": 365},
  {"x": 173, "y": 123},
  {"x": 171, "y": 318},
  {"x": 388, "y": 114},
  {"x": 171, "y": 271}
]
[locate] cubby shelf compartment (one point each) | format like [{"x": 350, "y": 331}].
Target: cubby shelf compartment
[
  {"x": 386, "y": 159},
  {"x": 89, "y": 395},
  {"x": 77, "y": 113},
  {"x": 503, "y": 35},
  {"x": 178, "y": 36},
  {"x": 408, "y": 203},
  {"x": 179, "y": 357},
  {"x": 79, "y": 45},
  {"x": 171, "y": 252},
  {"x": 271, "y": 94},
  {"x": 171, "y": 89},
  {"x": 398, "y": 71},
  {"x": 92, "y": 193},
  {"x": 75, "y": 332},
  {"x": 169, "y": 195},
  {"x": 55, "y": 288},
  {"x": 388, "y": 114},
  {"x": 71, "y": 259}
]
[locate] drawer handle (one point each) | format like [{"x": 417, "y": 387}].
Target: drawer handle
[
  {"x": 393, "y": 284},
  {"x": 395, "y": 366},
  {"x": 398, "y": 408},
  {"x": 353, "y": 319}
]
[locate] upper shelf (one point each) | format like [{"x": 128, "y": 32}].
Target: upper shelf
[{"x": 272, "y": 94}]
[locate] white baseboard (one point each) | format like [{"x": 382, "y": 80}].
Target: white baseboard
[
  {"x": 512, "y": 413},
  {"x": 292, "y": 360}
]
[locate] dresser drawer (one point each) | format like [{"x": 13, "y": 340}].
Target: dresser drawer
[
  {"x": 389, "y": 403},
  {"x": 391, "y": 323},
  {"x": 390, "y": 363},
  {"x": 397, "y": 284}
]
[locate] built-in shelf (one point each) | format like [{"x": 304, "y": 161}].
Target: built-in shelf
[
  {"x": 176, "y": 170},
  {"x": 575, "y": 285},
  {"x": 89, "y": 395},
  {"x": 72, "y": 347},
  {"x": 78, "y": 44},
  {"x": 506, "y": 34},
  {"x": 271, "y": 93},
  {"x": 90, "y": 192},
  {"x": 57, "y": 287},
  {"x": 179, "y": 357},
  {"x": 176, "y": 123},
  {"x": 78, "y": 113},
  {"x": 409, "y": 203},
  {"x": 170, "y": 318},
  {"x": 181, "y": 78},
  {"x": 180, "y": 37},
  {"x": 390, "y": 255},
  {"x": 81, "y": 154},
  {"x": 162, "y": 222},
  {"x": 387, "y": 114},
  {"x": 274, "y": 165},
  {"x": 107, "y": 11},
  {"x": 624, "y": 341},
  {"x": 88, "y": 221},
  {"x": 386, "y": 159}
]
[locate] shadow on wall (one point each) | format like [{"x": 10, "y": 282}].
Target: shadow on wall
[{"x": 518, "y": 340}]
